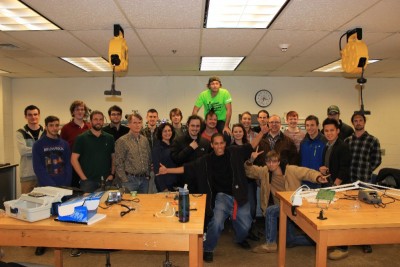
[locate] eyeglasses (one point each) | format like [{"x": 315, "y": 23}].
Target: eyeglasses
[
  {"x": 274, "y": 122},
  {"x": 115, "y": 114}
]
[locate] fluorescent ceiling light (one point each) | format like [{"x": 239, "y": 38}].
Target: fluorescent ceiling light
[
  {"x": 242, "y": 13},
  {"x": 220, "y": 63},
  {"x": 15, "y": 16},
  {"x": 3, "y": 72},
  {"x": 89, "y": 63},
  {"x": 337, "y": 66}
]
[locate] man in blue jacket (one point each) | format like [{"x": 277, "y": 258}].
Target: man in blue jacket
[{"x": 312, "y": 147}]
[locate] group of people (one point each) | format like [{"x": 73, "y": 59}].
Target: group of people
[{"x": 226, "y": 163}]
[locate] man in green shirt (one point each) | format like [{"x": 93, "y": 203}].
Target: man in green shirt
[
  {"x": 93, "y": 155},
  {"x": 218, "y": 99}
]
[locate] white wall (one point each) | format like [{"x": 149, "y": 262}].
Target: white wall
[
  {"x": 305, "y": 95},
  {"x": 6, "y": 123}
]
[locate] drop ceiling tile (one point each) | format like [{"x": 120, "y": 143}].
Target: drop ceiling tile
[
  {"x": 81, "y": 15},
  {"x": 162, "y": 42},
  {"x": 387, "y": 48},
  {"x": 56, "y": 43},
  {"x": 142, "y": 64},
  {"x": 229, "y": 42},
  {"x": 261, "y": 63},
  {"x": 178, "y": 63},
  {"x": 12, "y": 65},
  {"x": 384, "y": 16},
  {"x": 50, "y": 64},
  {"x": 304, "y": 64},
  {"x": 99, "y": 41},
  {"x": 319, "y": 15},
  {"x": 298, "y": 41},
  {"x": 157, "y": 14}
]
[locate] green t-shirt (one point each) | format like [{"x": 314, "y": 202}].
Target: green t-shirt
[
  {"x": 94, "y": 154},
  {"x": 217, "y": 102}
]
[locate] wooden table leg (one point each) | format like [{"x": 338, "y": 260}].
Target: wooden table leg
[
  {"x": 321, "y": 250},
  {"x": 195, "y": 250},
  {"x": 58, "y": 257},
  {"x": 282, "y": 236}
]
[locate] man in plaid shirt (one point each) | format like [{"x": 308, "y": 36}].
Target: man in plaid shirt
[{"x": 365, "y": 150}]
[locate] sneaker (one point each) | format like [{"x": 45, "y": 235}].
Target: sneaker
[
  {"x": 244, "y": 244},
  {"x": 266, "y": 248},
  {"x": 75, "y": 252},
  {"x": 338, "y": 254},
  {"x": 40, "y": 251},
  {"x": 367, "y": 248},
  {"x": 208, "y": 256}
]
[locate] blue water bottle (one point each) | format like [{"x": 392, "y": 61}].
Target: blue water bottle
[{"x": 184, "y": 204}]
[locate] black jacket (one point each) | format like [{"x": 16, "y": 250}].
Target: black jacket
[
  {"x": 345, "y": 130},
  {"x": 182, "y": 152},
  {"x": 199, "y": 176},
  {"x": 339, "y": 161}
]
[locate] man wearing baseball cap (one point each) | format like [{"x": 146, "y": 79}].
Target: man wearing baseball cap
[{"x": 345, "y": 130}]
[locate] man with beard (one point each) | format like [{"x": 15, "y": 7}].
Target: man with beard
[
  {"x": 190, "y": 146},
  {"x": 365, "y": 154},
  {"x": 365, "y": 150},
  {"x": 93, "y": 155}
]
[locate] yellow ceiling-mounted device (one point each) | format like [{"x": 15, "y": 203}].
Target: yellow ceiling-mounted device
[
  {"x": 117, "y": 57},
  {"x": 355, "y": 53},
  {"x": 118, "y": 50}
]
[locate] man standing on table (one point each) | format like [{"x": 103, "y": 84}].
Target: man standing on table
[{"x": 218, "y": 99}]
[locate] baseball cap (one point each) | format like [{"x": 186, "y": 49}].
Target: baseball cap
[{"x": 333, "y": 109}]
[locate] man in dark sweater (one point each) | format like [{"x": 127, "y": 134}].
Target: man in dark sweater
[
  {"x": 52, "y": 157},
  {"x": 222, "y": 177},
  {"x": 51, "y": 160}
]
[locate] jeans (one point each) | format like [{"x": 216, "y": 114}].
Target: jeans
[
  {"x": 252, "y": 196},
  {"x": 222, "y": 210},
  {"x": 271, "y": 229},
  {"x": 139, "y": 184}
]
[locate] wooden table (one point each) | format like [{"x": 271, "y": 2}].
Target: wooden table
[
  {"x": 344, "y": 226},
  {"x": 139, "y": 230}
]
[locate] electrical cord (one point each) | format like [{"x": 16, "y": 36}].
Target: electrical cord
[{"x": 129, "y": 209}]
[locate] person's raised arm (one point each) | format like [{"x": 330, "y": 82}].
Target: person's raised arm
[
  {"x": 164, "y": 170},
  {"x": 259, "y": 136},
  {"x": 226, "y": 129},
  {"x": 195, "y": 110}
]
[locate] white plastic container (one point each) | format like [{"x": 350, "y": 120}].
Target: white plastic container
[
  {"x": 36, "y": 205},
  {"x": 28, "y": 208}
]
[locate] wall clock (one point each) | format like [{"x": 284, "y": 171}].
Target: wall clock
[{"x": 263, "y": 98}]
